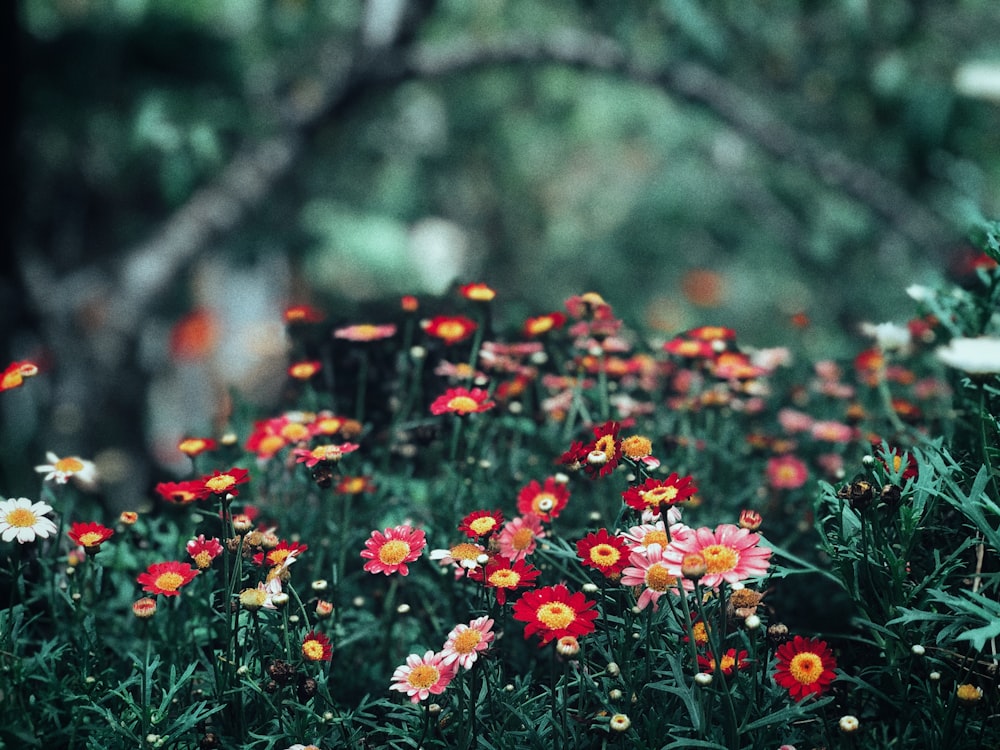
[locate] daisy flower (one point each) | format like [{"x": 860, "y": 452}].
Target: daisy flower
[
  {"x": 786, "y": 472},
  {"x": 465, "y": 642},
  {"x": 423, "y": 676},
  {"x": 182, "y": 493},
  {"x": 503, "y": 575},
  {"x": 323, "y": 453},
  {"x": 730, "y": 661},
  {"x": 203, "y": 551},
  {"x": 316, "y": 647},
  {"x": 389, "y": 552},
  {"x": 543, "y": 500},
  {"x": 464, "y": 556},
  {"x": 650, "y": 571},
  {"x": 449, "y": 328},
  {"x": 462, "y": 401},
  {"x": 731, "y": 554},
  {"x": 481, "y": 523},
  {"x": 166, "y": 578},
  {"x": 603, "y": 552},
  {"x": 600, "y": 456},
  {"x": 553, "y": 612},
  {"x": 654, "y": 494},
  {"x": 280, "y": 554},
  {"x": 653, "y": 530},
  {"x": 805, "y": 667},
  {"x": 24, "y": 520},
  {"x": 224, "y": 482},
  {"x": 90, "y": 536},
  {"x": 61, "y": 470},
  {"x": 517, "y": 538}
]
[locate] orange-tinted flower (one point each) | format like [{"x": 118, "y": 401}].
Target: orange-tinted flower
[
  {"x": 183, "y": 493},
  {"x": 604, "y": 552},
  {"x": 303, "y": 314},
  {"x": 481, "y": 523},
  {"x": 90, "y": 536},
  {"x": 409, "y": 303},
  {"x": 350, "y": 485},
  {"x": 450, "y": 328},
  {"x": 128, "y": 517},
  {"x": 553, "y": 612},
  {"x": 194, "y": 336},
  {"x": 653, "y": 494},
  {"x": 195, "y": 446},
  {"x": 503, "y": 575},
  {"x": 166, "y": 578},
  {"x": 729, "y": 661},
  {"x": 805, "y": 667},
  {"x": 365, "y": 332},
  {"x": 703, "y": 287},
  {"x": 15, "y": 373},
  {"x": 750, "y": 519},
  {"x": 462, "y": 401},
  {"x": 316, "y": 647},
  {"x": 203, "y": 551},
  {"x": 304, "y": 370},
  {"x": 870, "y": 365},
  {"x": 542, "y": 324},
  {"x": 545, "y": 501},
  {"x": 477, "y": 292},
  {"x": 224, "y": 482}
]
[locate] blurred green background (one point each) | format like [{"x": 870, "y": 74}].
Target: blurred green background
[{"x": 725, "y": 162}]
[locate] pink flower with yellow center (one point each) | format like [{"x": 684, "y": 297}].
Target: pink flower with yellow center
[
  {"x": 650, "y": 572},
  {"x": 203, "y": 551},
  {"x": 423, "y": 676},
  {"x": 466, "y": 642},
  {"x": 323, "y": 453},
  {"x": 462, "y": 401},
  {"x": 786, "y": 472},
  {"x": 518, "y": 537},
  {"x": 166, "y": 578},
  {"x": 731, "y": 554},
  {"x": 365, "y": 332},
  {"x": 390, "y": 551}
]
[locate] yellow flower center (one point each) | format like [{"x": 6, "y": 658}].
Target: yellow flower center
[
  {"x": 295, "y": 432},
  {"x": 656, "y": 536},
  {"x": 637, "y": 446},
  {"x": 278, "y": 556},
  {"x": 220, "y": 483},
  {"x": 720, "y": 558},
  {"x": 521, "y": 539},
  {"x": 555, "y": 615},
  {"x": 727, "y": 663},
  {"x": 451, "y": 330},
  {"x": 423, "y": 676},
  {"x": 505, "y": 578},
  {"x": 329, "y": 425},
  {"x": 484, "y": 524},
  {"x": 463, "y": 404},
  {"x": 464, "y": 551},
  {"x": 543, "y": 502},
  {"x": 365, "y": 331},
  {"x": 253, "y": 598},
  {"x": 271, "y": 444},
  {"x": 658, "y": 579},
  {"x": 467, "y": 641},
  {"x": 69, "y": 465},
  {"x": 203, "y": 559},
  {"x": 604, "y": 555},
  {"x": 700, "y": 633},
  {"x": 393, "y": 552},
  {"x": 658, "y": 495},
  {"x": 606, "y": 445},
  {"x": 806, "y": 667},
  {"x": 312, "y": 650},
  {"x": 91, "y": 538},
  {"x": 169, "y": 581},
  {"x": 897, "y": 461},
  {"x": 353, "y": 486},
  {"x": 327, "y": 453},
  {"x": 22, "y": 518},
  {"x": 540, "y": 325}
]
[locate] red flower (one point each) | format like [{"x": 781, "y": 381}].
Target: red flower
[
  {"x": 351, "y": 485},
  {"x": 203, "y": 551},
  {"x": 477, "y": 292},
  {"x": 481, "y": 523},
  {"x": 224, "y": 482},
  {"x": 805, "y": 667},
  {"x": 552, "y": 612},
  {"x": 730, "y": 661},
  {"x": 689, "y": 348},
  {"x": 712, "y": 333},
  {"x": 166, "y": 578},
  {"x": 278, "y": 555},
  {"x": 545, "y": 501},
  {"x": 502, "y": 575},
  {"x": 600, "y": 456},
  {"x": 303, "y": 314},
  {"x": 304, "y": 370},
  {"x": 462, "y": 401},
  {"x": 652, "y": 494},
  {"x": 604, "y": 552},
  {"x": 182, "y": 493},
  {"x": 15, "y": 373},
  {"x": 196, "y": 446},
  {"x": 543, "y": 324},
  {"x": 450, "y": 328},
  {"x": 892, "y": 460},
  {"x": 89, "y": 535},
  {"x": 316, "y": 647}
]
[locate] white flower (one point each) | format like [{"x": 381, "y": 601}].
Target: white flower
[
  {"x": 976, "y": 356},
  {"x": 23, "y": 520},
  {"x": 919, "y": 293},
  {"x": 61, "y": 470},
  {"x": 888, "y": 336}
]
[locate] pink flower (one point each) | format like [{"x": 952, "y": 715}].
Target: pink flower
[
  {"x": 786, "y": 472},
  {"x": 517, "y": 538},
  {"x": 792, "y": 420},
  {"x": 731, "y": 554},
  {"x": 389, "y": 552},
  {"x": 423, "y": 676},
  {"x": 832, "y": 432},
  {"x": 323, "y": 453},
  {"x": 466, "y": 641},
  {"x": 650, "y": 571}
]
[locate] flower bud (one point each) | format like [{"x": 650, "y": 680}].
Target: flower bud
[
  {"x": 849, "y": 724},
  {"x": 693, "y": 566},
  {"x": 750, "y": 519},
  {"x": 620, "y": 722}
]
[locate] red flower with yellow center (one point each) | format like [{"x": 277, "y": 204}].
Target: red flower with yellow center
[
  {"x": 689, "y": 348},
  {"x": 316, "y": 647},
  {"x": 805, "y": 667},
  {"x": 182, "y": 493},
  {"x": 329, "y": 454},
  {"x": 477, "y": 292},
  {"x": 278, "y": 555},
  {"x": 553, "y": 612},
  {"x": 600, "y": 456},
  {"x": 89, "y": 535},
  {"x": 481, "y": 523},
  {"x": 203, "y": 551},
  {"x": 15, "y": 373},
  {"x": 450, "y": 328},
  {"x": 303, "y": 314},
  {"x": 166, "y": 578},
  {"x": 604, "y": 552},
  {"x": 354, "y": 485},
  {"x": 729, "y": 661},
  {"x": 304, "y": 370},
  {"x": 502, "y": 575},
  {"x": 196, "y": 446},
  {"x": 543, "y": 324},
  {"x": 712, "y": 333},
  {"x": 545, "y": 501},
  {"x": 462, "y": 401},
  {"x": 224, "y": 482},
  {"x": 653, "y": 494}
]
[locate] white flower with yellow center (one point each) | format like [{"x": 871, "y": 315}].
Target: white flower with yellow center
[
  {"x": 23, "y": 520},
  {"x": 61, "y": 470}
]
